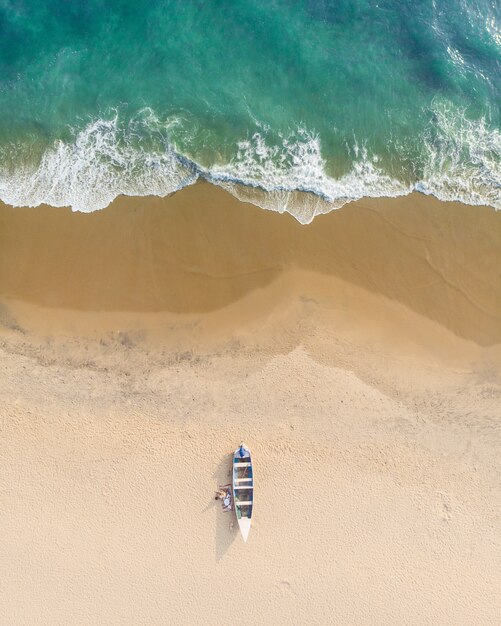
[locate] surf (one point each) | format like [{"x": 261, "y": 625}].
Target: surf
[{"x": 110, "y": 157}]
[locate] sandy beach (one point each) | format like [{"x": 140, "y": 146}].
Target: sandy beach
[{"x": 359, "y": 357}]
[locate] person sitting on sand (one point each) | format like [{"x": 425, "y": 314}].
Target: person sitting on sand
[{"x": 221, "y": 494}]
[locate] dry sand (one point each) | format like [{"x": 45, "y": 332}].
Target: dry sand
[{"x": 360, "y": 359}]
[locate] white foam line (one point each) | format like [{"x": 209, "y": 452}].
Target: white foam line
[{"x": 463, "y": 163}]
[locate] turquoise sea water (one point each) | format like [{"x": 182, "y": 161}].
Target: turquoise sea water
[{"x": 340, "y": 98}]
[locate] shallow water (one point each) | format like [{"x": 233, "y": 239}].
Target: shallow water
[{"x": 344, "y": 99}]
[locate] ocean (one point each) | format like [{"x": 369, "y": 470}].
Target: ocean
[{"x": 298, "y": 106}]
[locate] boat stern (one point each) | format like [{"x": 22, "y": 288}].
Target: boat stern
[{"x": 244, "y": 524}]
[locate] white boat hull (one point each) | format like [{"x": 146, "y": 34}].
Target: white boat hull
[
  {"x": 243, "y": 489},
  {"x": 244, "y": 524}
]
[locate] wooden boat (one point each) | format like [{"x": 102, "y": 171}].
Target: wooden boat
[{"x": 243, "y": 488}]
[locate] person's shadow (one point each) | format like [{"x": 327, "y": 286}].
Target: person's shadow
[{"x": 226, "y": 523}]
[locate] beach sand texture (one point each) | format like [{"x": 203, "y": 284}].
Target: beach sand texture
[{"x": 359, "y": 357}]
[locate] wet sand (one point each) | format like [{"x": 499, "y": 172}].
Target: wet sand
[
  {"x": 359, "y": 357},
  {"x": 201, "y": 250}
]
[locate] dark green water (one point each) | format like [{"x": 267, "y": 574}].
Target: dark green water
[{"x": 340, "y": 98}]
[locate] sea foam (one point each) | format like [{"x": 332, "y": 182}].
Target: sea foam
[
  {"x": 88, "y": 173},
  {"x": 107, "y": 158}
]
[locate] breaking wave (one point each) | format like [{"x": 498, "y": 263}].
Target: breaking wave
[{"x": 460, "y": 161}]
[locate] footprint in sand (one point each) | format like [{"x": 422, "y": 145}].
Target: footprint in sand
[
  {"x": 284, "y": 588},
  {"x": 445, "y": 508}
]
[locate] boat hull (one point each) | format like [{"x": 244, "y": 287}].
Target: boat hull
[{"x": 243, "y": 489}]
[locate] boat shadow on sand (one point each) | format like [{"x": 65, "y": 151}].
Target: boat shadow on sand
[{"x": 226, "y": 523}]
